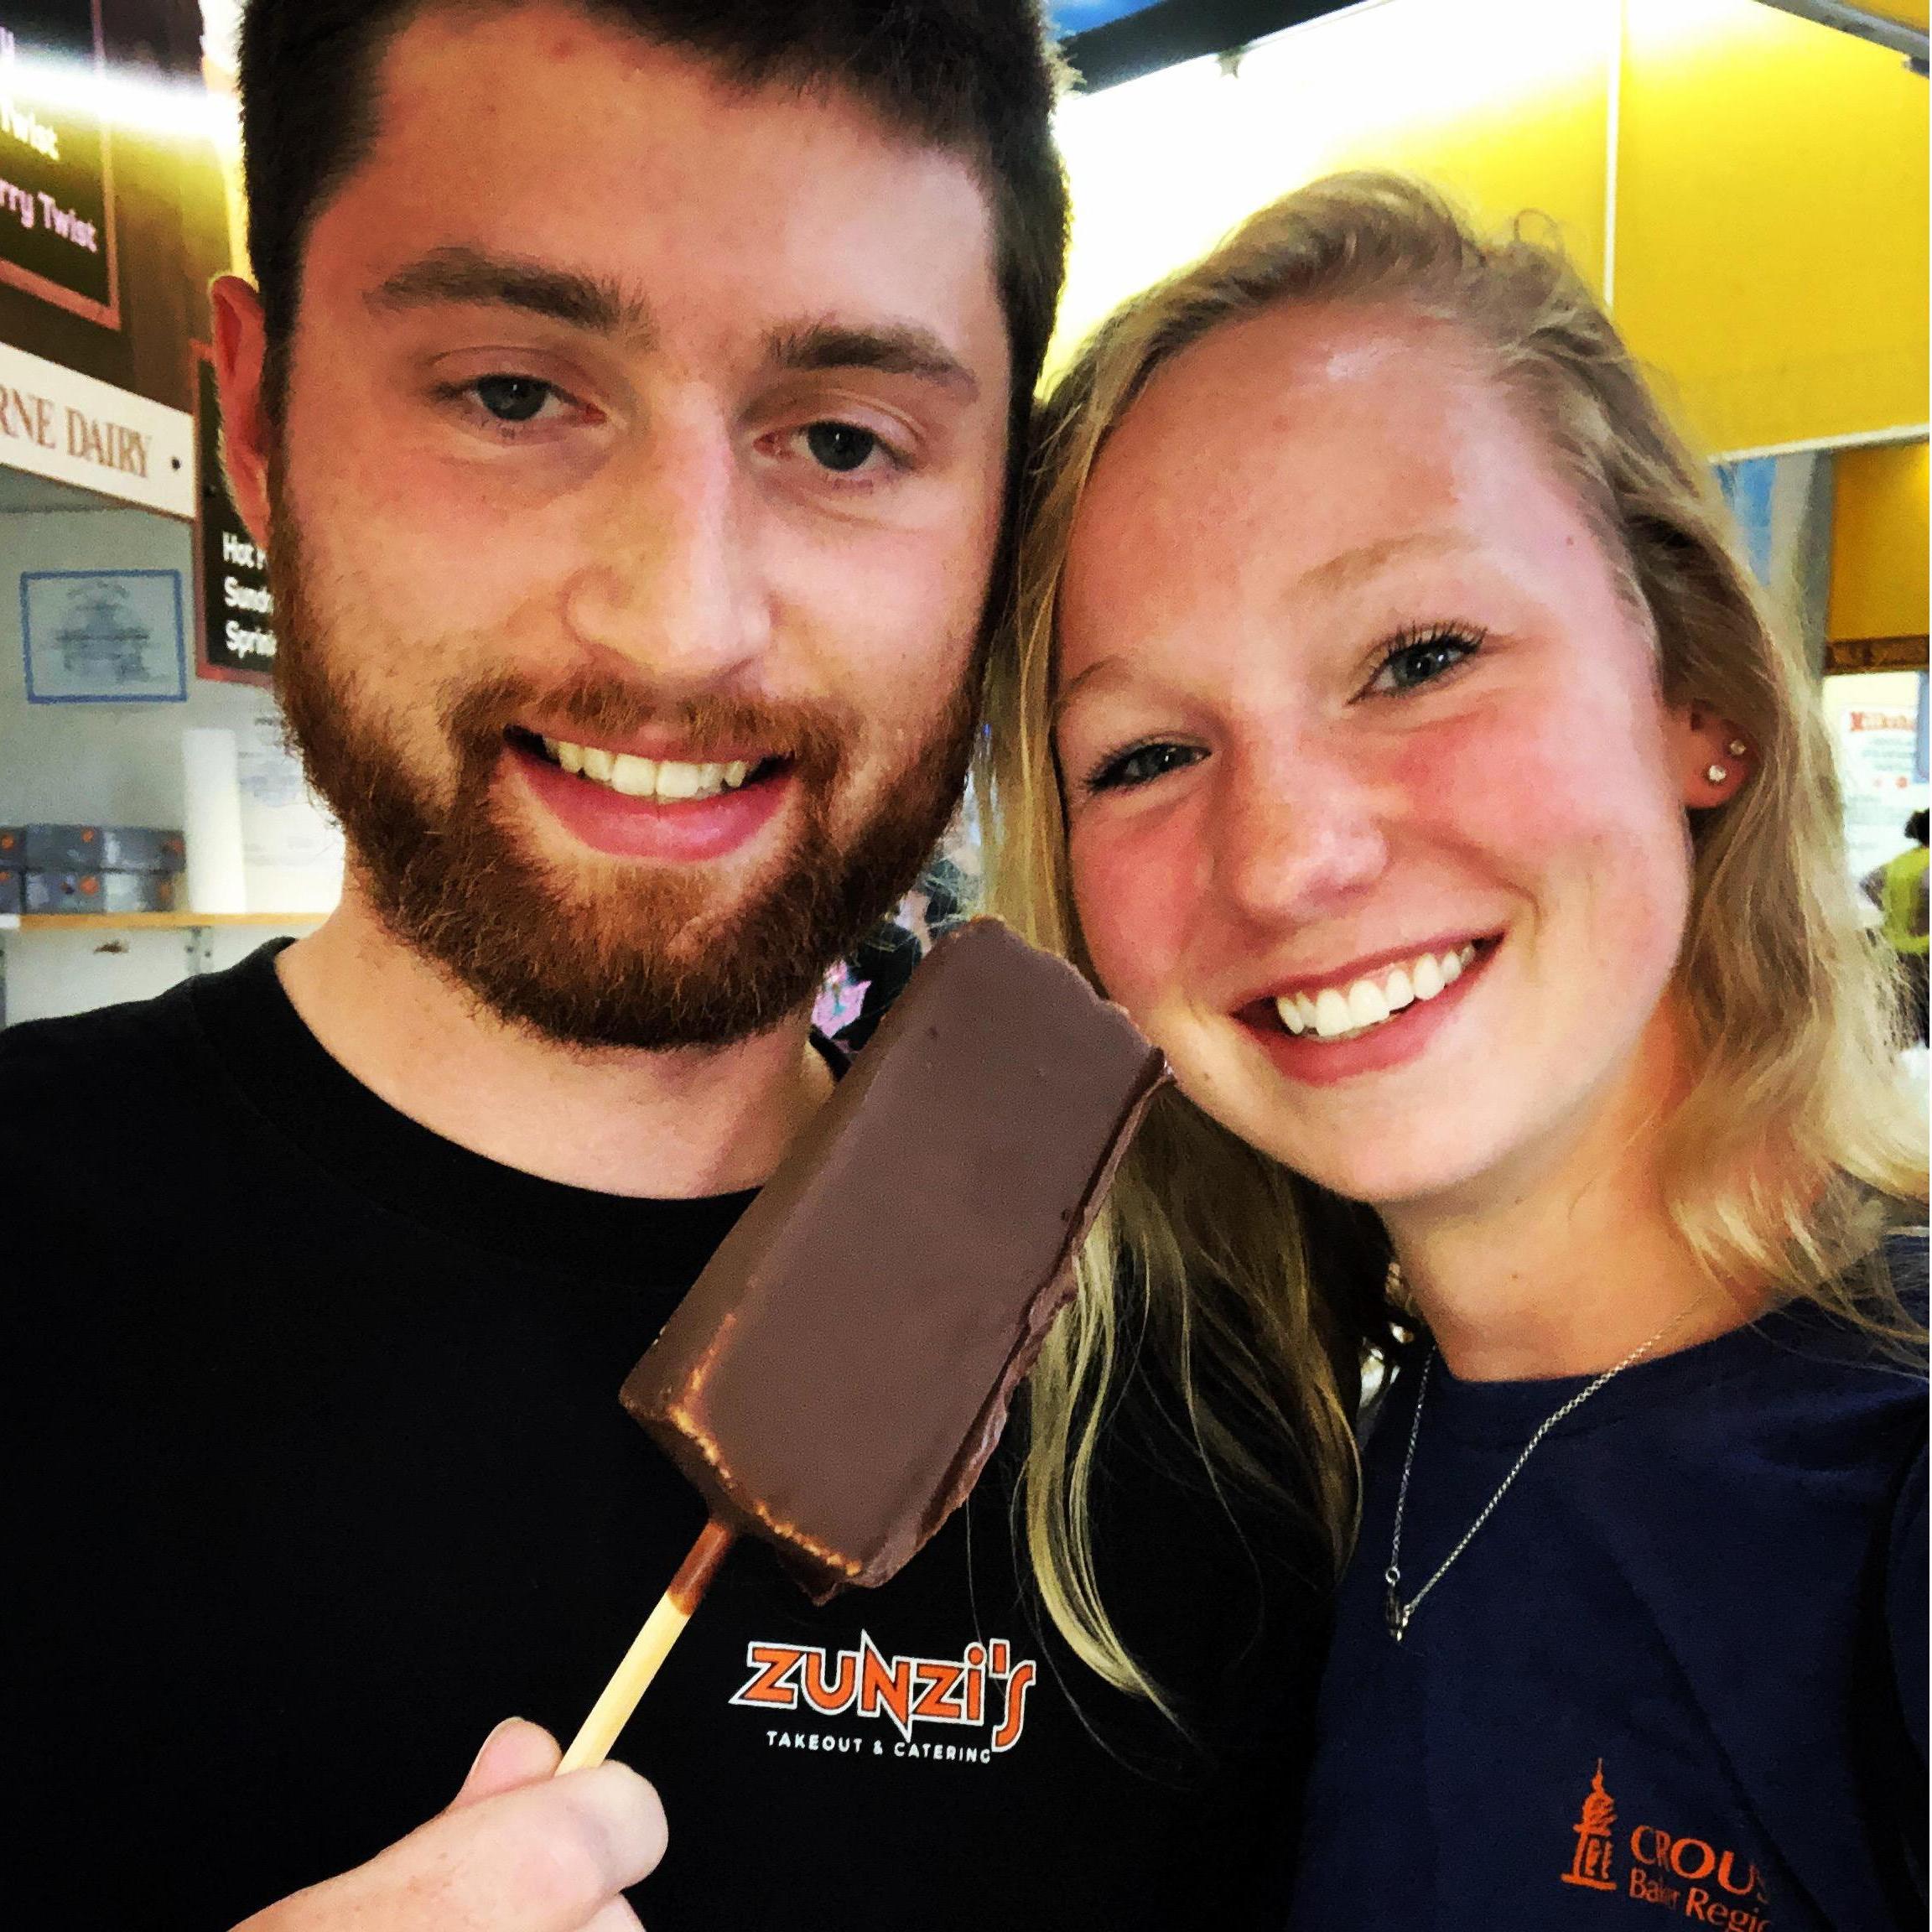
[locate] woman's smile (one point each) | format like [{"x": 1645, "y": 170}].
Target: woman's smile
[{"x": 1365, "y": 1018}]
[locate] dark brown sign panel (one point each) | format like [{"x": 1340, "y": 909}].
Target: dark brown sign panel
[
  {"x": 56, "y": 173},
  {"x": 238, "y": 612}
]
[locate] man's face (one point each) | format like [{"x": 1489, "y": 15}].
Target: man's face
[{"x": 632, "y": 510}]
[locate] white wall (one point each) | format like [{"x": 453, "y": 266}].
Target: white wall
[{"x": 99, "y": 764}]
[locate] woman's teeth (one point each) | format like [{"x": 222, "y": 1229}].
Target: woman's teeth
[
  {"x": 1341, "y": 1012},
  {"x": 664, "y": 779}
]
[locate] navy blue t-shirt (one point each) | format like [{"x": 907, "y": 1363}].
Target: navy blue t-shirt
[{"x": 1681, "y": 1674}]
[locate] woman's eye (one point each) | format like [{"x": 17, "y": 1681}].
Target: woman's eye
[
  {"x": 512, "y": 398},
  {"x": 839, "y": 447},
  {"x": 1416, "y": 660},
  {"x": 1142, "y": 765}
]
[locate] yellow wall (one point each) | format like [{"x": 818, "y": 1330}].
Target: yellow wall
[
  {"x": 1770, "y": 256},
  {"x": 1772, "y": 222},
  {"x": 1501, "y": 102},
  {"x": 1878, "y": 531}
]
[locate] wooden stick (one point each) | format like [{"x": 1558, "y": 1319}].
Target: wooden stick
[{"x": 662, "y": 1627}]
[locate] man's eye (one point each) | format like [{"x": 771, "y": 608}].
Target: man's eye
[
  {"x": 512, "y": 398},
  {"x": 1420, "y": 658},
  {"x": 840, "y": 447},
  {"x": 1141, "y": 765}
]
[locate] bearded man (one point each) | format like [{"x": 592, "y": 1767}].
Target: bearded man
[{"x": 630, "y": 405}]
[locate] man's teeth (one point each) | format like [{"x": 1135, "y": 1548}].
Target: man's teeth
[
  {"x": 1340, "y": 1012},
  {"x": 662, "y": 778}
]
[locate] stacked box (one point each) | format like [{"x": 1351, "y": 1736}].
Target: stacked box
[
  {"x": 104, "y": 893},
  {"x": 13, "y": 863},
  {"x": 96, "y": 868},
  {"x": 139, "y": 892},
  {"x": 62, "y": 891},
  {"x": 60, "y": 847},
  {"x": 97, "y": 848},
  {"x": 10, "y": 892},
  {"x": 141, "y": 849}
]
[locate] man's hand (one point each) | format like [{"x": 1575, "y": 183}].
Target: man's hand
[{"x": 518, "y": 1850}]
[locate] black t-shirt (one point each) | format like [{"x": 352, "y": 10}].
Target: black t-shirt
[
  {"x": 1681, "y": 1674},
  {"x": 316, "y": 1470}
]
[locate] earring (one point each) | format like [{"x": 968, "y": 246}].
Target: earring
[
  {"x": 1395, "y": 1291},
  {"x": 1736, "y": 747},
  {"x": 1715, "y": 773}
]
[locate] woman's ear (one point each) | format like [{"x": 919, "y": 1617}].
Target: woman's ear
[{"x": 1714, "y": 758}]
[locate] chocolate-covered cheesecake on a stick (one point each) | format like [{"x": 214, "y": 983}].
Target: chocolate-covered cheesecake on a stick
[{"x": 837, "y": 1377}]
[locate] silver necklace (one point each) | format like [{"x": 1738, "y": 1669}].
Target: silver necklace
[{"x": 1395, "y": 1611}]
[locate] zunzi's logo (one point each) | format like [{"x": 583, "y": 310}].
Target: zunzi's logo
[
  {"x": 1689, "y": 1876},
  {"x": 984, "y": 1690}
]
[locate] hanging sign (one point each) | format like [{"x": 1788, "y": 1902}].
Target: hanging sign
[
  {"x": 56, "y": 173},
  {"x": 57, "y": 422},
  {"x": 238, "y": 609}
]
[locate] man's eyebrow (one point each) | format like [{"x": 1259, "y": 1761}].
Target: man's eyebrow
[
  {"x": 889, "y": 349},
  {"x": 467, "y": 275}
]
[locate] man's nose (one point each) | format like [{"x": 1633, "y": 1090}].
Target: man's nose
[
  {"x": 1305, "y": 829},
  {"x": 669, "y": 580}
]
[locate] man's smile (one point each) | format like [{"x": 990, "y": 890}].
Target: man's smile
[
  {"x": 663, "y": 780},
  {"x": 670, "y": 810}
]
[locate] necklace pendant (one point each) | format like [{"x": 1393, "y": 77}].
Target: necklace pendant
[{"x": 1396, "y": 1614}]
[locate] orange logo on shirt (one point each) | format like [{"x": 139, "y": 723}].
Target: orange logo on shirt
[
  {"x": 1591, "y": 1864},
  {"x": 1689, "y": 1877},
  {"x": 984, "y": 1686}
]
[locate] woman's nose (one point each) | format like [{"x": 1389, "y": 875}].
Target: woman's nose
[{"x": 1302, "y": 833}]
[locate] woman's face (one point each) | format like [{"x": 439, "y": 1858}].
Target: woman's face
[{"x": 1375, "y": 808}]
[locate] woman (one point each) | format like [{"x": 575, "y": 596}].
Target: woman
[{"x": 1394, "y": 731}]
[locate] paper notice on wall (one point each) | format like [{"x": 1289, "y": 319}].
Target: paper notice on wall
[
  {"x": 291, "y": 846},
  {"x": 1875, "y": 720},
  {"x": 211, "y": 822}
]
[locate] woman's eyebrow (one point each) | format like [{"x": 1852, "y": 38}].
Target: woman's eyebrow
[
  {"x": 1116, "y": 666},
  {"x": 1348, "y": 568}
]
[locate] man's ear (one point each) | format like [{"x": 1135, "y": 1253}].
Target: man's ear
[
  {"x": 1714, "y": 758},
  {"x": 247, "y": 439}
]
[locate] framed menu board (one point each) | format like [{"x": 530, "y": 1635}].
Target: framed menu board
[{"x": 56, "y": 171}]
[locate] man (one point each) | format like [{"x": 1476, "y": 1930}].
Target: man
[
  {"x": 628, "y": 408},
  {"x": 1897, "y": 889}
]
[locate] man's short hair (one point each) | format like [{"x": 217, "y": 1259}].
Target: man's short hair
[
  {"x": 977, "y": 78},
  {"x": 1915, "y": 826}
]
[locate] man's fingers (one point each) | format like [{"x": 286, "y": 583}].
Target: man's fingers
[
  {"x": 548, "y": 1856},
  {"x": 623, "y": 1809},
  {"x": 615, "y": 1917},
  {"x": 543, "y": 1857},
  {"x": 515, "y": 1752}
]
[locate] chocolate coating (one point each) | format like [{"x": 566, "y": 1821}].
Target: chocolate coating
[{"x": 836, "y": 1378}]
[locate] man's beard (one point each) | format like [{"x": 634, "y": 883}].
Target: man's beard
[{"x": 628, "y": 954}]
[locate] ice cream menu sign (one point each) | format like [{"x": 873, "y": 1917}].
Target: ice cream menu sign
[
  {"x": 56, "y": 178},
  {"x": 238, "y": 642}
]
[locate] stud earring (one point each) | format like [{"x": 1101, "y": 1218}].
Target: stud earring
[
  {"x": 1715, "y": 773},
  {"x": 1736, "y": 747}
]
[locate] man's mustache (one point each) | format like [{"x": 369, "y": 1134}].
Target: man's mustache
[{"x": 814, "y": 736}]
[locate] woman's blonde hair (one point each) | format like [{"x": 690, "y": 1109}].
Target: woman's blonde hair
[{"x": 1794, "y": 1128}]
